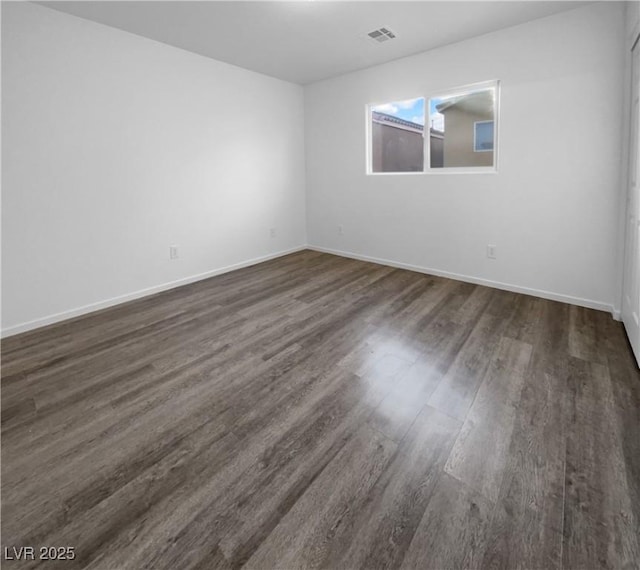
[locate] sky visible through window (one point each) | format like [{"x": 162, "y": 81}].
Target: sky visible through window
[
  {"x": 413, "y": 110},
  {"x": 437, "y": 119}
]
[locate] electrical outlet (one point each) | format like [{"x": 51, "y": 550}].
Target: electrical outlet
[
  {"x": 272, "y": 232},
  {"x": 491, "y": 251},
  {"x": 340, "y": 230},
  {"x": 173, "y": 252}
]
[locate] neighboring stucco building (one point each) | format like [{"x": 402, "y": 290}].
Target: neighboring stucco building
[
  {"x": 460, "y": 117},
  {"x": 398, "y": 145}
]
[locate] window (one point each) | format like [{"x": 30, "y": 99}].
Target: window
[
  {"x": 483, "y": 136},
  {"x": 464, "y": 121},
  {"x": 397, "y": 136},
  {"x": 461, "y": 132}
]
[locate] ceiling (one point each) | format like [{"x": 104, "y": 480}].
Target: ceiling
[{"x": 306, "y": 41}]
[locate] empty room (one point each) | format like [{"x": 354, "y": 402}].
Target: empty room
[{"x": 320, "y": 284}]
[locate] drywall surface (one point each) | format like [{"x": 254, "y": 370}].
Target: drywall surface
[
  {"x": 116, "y": 147},
  {"x": 551, "y": 210},
  {"x": 632, "y": 30}
]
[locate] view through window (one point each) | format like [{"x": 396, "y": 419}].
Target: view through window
[
  {"x": 397, "y": 136},
  {"x": 465, "y": 123},
  {"x": 460, "y": 125}
]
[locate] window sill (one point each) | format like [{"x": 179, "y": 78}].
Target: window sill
[{"x": 438, "y": 172}]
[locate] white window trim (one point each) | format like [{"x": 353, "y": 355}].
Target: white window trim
[
  {"x": 475, "y": 146},
  {"x": 494, "y": 83}
]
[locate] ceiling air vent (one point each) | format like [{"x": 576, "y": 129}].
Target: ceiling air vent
[{"x": 381, "y": 35}]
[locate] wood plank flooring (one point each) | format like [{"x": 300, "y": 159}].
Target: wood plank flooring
[{"x": 320, "y": 412}]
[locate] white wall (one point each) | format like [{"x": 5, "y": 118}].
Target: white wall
[
  {"x": 552, "y": 209},
  {"x": 115, "y": 147},
  {"x": 632, "y": 29}
]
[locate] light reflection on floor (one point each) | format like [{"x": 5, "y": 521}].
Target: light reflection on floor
[{"x": 396, "y": 373}]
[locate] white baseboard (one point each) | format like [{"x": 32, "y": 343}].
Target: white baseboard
[
  {"x": 92, "y": 307},
  {"x": 72, "y": 313},
  {"x": 478, "y": 281}
]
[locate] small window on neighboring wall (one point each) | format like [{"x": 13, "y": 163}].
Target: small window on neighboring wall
[
  {"x": 397, "y": 136},
  {"x": 483, "y": 136},
  {"x": 464, "y": 122}
]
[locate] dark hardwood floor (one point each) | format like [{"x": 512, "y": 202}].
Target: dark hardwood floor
[{"x": 315, "y": 411}]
